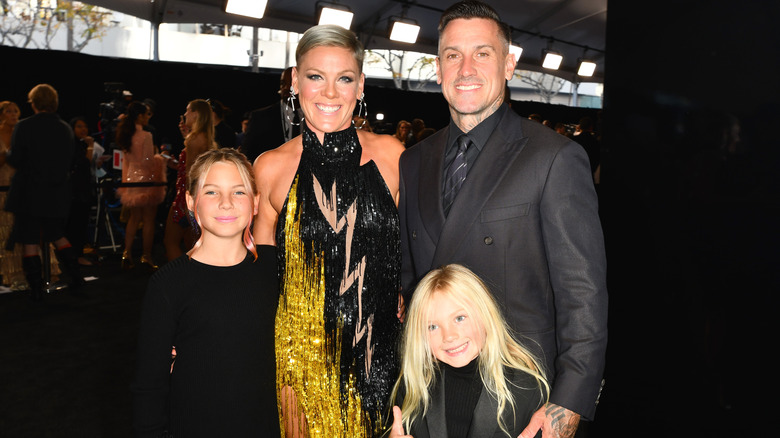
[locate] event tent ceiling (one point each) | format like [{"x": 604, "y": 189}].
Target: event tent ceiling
[{"x": 574, "y": 28}]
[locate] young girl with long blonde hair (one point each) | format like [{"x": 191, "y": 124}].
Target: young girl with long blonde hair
[{"x": 462, "y": 372}]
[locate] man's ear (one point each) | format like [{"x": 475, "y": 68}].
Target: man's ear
[{"x": 511, "y": 62}]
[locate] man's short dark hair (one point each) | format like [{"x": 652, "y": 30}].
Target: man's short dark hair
[{"x": 474, "y": 9}]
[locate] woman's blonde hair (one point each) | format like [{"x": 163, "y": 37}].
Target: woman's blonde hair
[
  {"x": 499, "y": 351},
  {"x": 203, "y": 122},
  {"x": 330, "y": 35},
  {"x": 197, "y": 177}
]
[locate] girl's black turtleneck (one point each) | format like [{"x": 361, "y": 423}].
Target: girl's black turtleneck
[{"x": 462, "y": 388}]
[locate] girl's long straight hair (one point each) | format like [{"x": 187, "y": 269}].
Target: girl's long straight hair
[{"x": 499, "y": 352}]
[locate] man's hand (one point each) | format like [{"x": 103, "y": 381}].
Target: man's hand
[
  {"x": 397, "y": 431},
  {"x": 554, "y": 421}
]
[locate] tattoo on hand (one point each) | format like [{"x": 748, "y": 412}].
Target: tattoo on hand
[{"x": 563, "y": 421}]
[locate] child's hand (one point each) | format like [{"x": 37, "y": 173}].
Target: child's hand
[
  {"x": 401, "y": 308},
  {"x": 173, "y": 357},
  {"x": 397, "y": 431}
]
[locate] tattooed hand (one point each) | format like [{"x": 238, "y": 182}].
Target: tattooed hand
[{"x": 554, "y": 421}]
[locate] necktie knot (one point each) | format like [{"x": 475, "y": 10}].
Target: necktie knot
[{"x": 463, "y": 143}]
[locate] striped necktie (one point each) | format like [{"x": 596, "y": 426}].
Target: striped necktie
[{"x": 455, "y": 173}]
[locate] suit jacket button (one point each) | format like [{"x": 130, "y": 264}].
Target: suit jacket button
[
  {"x": 414, "y": 235},
  {"x": 488, "y": 240}
]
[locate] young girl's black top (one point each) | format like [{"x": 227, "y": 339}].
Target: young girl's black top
[{"x": 221, "y": 321}]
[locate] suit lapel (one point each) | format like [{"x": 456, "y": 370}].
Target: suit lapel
[
  {"x": 437, "y": 424},
  {"x": 484, "y": 423},
  {"x": 485, "y": 175},
  {"x": 429, "y": 189}
]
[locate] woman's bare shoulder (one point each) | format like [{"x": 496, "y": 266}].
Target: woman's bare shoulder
[
  {"x": 279, "y": 160},
  {"x": 381, "y": 146}
]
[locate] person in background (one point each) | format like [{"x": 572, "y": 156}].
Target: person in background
[
  {"x": 40, "y": 193},
  {"x": 402, "y": 131},
  {"x": 418, "y": 125},
  {"x": 272, "y": 125},
  {"x": 241, "y": 134},
  {"x": 224, "y": 135},
  {"x": 141, "y": 165},
  {"x": 156, "y": 137},
  {"x": 11, "y": 255},
  {"x": 198, "y": 131},
  {"x": 84, "y": 193}
]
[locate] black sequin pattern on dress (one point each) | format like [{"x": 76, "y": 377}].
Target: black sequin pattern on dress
[{"x": 347, "y": 217}]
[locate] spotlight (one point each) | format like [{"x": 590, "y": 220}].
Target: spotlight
[
  {"x": 552, "y": 60},
  {"x": 404, "y": 30},
  {"x": 587, "y": 68},
  {"x": 247, "y": 8},
  {"x": 336, "y": 14}
]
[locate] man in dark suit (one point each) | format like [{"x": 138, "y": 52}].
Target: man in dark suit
[
  {"x": 524, "y": 217},
  {"x": 273, "y": 125}
]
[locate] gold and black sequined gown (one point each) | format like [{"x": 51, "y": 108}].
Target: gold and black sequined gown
[{"x": 340, "y": 262}]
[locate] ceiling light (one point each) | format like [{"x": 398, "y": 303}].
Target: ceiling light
[
  {"x": 336, "y": 14},
  {"x": 516, "y": 50},
  {"x": 405, "y": 31},
  {"x": 247, "y": 8},
  {"x": 552, "y": 60},
  {"x": 587, "y": 68}
]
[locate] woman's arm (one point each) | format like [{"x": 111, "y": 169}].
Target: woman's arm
[
  {"x": 274, "y": 174},
  {"x": 264, "y": 227}
]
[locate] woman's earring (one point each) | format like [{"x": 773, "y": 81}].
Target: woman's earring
[
  {"x": 291, "y": 107},
  {"x": 362, "y": 109}
]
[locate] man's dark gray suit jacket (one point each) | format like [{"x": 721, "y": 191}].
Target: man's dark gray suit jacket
[{"x": 526, "y": 221}]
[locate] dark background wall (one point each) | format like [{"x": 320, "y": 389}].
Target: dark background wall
[{"x": 691, "y": 226}]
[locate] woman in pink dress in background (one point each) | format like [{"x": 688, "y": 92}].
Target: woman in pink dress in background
[{"x": 140, "y": 164}]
